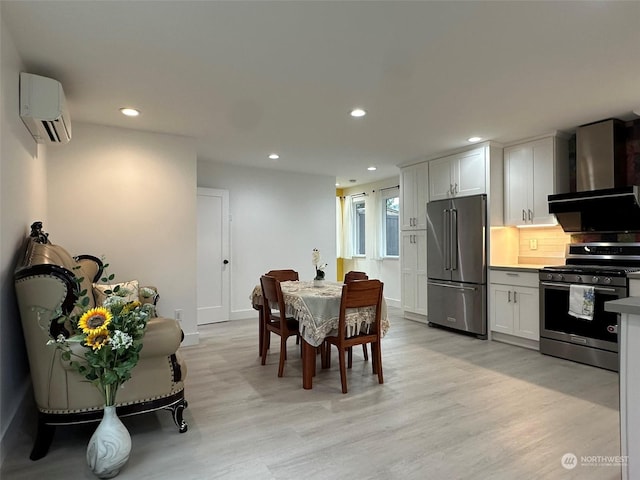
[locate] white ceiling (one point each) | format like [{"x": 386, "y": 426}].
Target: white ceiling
[{"x": 250, "y": 78}]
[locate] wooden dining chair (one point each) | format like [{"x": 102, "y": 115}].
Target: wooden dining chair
[
  {"x": 277, "y": 323},
  {"x": 281, "y": 276},
  {"x": 350, "y": 277},
  {"x": 359, "y": 294}
]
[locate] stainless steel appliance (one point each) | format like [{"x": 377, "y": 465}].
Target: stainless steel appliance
[
  {"x": 603, "y": 266},
  {"x": 457, "y": 264},
  {"x": 603, "y": 202}
]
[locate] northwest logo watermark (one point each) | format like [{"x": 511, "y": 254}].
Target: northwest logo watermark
[{"x": 570, "y": 461}]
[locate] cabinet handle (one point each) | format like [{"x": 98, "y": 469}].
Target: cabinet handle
[
  {"x": 509, "y": 296},
  {"x": 515, "y": 298},
  {"x": 524, "y": 215},
  {"x": 530, "y": 215},
  {"x": 455, "y": 189}
]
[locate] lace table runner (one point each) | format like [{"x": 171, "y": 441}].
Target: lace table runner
[{"x": 317, "y": 309}]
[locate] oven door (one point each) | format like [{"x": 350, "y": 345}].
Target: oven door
[{"x": 557, "y": 324}]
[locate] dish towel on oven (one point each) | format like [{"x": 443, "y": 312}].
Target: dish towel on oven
[{"x": 581, "y": 301}]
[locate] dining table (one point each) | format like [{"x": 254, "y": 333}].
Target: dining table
[{"x": 316, "y": 307}]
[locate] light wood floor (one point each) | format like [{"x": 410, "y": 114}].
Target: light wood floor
[{"x": 451, "y": 407}]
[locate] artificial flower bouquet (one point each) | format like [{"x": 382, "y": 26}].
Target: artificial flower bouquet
[
  {"x": 106, "y": 341},
  {"x": 317, "y": 263}
]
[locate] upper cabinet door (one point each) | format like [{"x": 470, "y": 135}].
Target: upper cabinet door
[
  {"x": 414, "y": 191},
  {"x": 545, "y": 165},
  {"x": 440, "y": 181},
  {"x": 470, "y": 176},
  {"x": 518, "y": 169}
]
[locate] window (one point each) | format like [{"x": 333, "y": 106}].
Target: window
[
  {"x": 359, "y": 227},
  {"x": 390, "y": 224}
]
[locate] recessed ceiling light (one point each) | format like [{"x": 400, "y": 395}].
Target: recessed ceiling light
[
  {"x": 130, "y": 112},
  {"x": 474, "y": 139},
  {"x": 371, "y": 169},
  {"x": 274, "y": 156},
  {"x": 337, "y": 184},
  {"x": 358, "y": 112},
  {"x": 352, "y": 180}
]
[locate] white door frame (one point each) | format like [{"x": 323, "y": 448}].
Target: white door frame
[{"x": 213, "y": 270}]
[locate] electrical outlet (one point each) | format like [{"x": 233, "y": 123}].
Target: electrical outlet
[
  {"x": 533, "y": 244},
  {"x": 178, "y": 314}
]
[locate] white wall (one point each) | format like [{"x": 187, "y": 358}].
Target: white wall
[
  {"x": 387, "y": 270},
  {"x": 22, "y": 200},
  {"x": 130, "y": 196},
  {"x": 277, "y": 220}
]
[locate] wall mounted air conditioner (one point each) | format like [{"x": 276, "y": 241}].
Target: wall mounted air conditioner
[{"x": 43, "y": 109}]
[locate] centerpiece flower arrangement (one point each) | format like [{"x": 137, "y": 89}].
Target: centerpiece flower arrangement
[
  {"x": 106, "y": 341},
  {"x": 316, "y": 262}
]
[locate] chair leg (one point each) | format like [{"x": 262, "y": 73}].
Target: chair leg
[
  {"x": 364, "y": 351},
  {"x": 44, "y": 437},
  {"x": 343, "y": 370},
  {"x": 350, "y": 357},
  {"x": 283, "y": 354},
  {"x": 265, "y": 345},
  {"x": 378, "y": 360}
]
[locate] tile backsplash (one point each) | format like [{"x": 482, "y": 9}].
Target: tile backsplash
[{"x": 532, "y": 245}]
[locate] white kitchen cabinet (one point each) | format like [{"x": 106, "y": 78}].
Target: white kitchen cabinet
[
  {"x": 533, "y": 171},
  {"x": 414, "y": 271},
  {"x": 414, "y": 194},
  {"x": 458, "y": 175},
  {"x": 514, "y": 306}
]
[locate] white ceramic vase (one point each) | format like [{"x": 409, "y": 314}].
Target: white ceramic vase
[
  {"x": 318, "y": 283},
  {"x": 109, "y": 446}
]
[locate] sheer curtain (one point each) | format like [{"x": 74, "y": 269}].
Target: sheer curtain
[
  {"x": 339, "y": 231},
  {"x": 347, "y": 227},
  {"x": 374, "y": 212}
]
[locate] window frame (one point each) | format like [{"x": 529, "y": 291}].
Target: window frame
[
  {"x": 357, "y": 234},
  {"x": 384, "y": 197}
]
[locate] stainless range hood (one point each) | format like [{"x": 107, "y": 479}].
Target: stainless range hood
[
  {"x": 603, "y": 202},
  {"x": 611, "y": 210}
]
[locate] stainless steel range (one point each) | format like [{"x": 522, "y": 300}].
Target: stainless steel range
[{"x": 603, "y": 266}]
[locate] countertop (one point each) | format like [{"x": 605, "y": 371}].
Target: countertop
[{"x": 630, "y": 305}]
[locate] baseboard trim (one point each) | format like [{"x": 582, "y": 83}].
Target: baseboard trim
[
  {"x": 514, "y": 340},
  {"x": 416, "y": 317}
]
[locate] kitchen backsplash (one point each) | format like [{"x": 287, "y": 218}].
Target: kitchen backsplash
[{"x": 532, "y": 245}]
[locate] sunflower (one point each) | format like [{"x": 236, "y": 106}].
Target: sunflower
[
  {"x": 97, "y": 339},
  {"x": 95, "y": 320}
]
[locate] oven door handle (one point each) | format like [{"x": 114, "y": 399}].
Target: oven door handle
[{"x": 566, "y": 286}]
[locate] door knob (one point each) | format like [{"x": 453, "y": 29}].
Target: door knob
[{"x": 225, "y": 262}]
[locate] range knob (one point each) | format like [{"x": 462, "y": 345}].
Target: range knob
[
  {"x": 559, "y": 277},
  {"x": 549, "y": 276},
  {"x": 578, "y": 278},
  {"x": 595, "y": 279},
  {"x": 607, "y": 280}
]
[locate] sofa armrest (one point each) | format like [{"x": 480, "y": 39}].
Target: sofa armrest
[{"x": 162, "y": 337}]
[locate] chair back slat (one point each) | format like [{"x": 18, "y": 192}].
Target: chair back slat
[
  {"x": 361, "y": 294},
  {"x": 283, "y": 275},
  {"x": 272, "y": 295},
  {"x": 355, "y": 275}
]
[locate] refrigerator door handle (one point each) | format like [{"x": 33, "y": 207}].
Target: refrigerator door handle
[
  {"x": 453, "y": 246},
  {"x": 457, "y": 287},
  {"x": 446, "y": 241}
]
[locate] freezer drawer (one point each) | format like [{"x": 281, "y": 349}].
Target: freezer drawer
[{"x": 461, "y": 306}]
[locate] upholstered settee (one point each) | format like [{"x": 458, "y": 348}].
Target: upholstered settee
[{"x": 45, "y": 284}]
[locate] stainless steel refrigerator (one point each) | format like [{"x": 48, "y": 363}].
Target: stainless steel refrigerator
[{"x": 457, "y": 263}]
